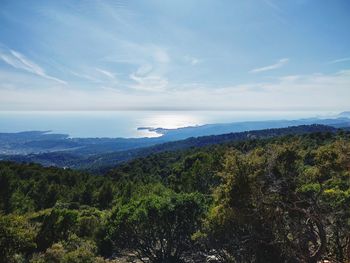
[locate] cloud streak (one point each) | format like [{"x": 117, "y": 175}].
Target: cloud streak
[
  {"x": 151, "y": 83},
  {"x": 148, "y": 56},
  {"x": 273, "y": 5},
  {"x": 192, "y": 60},
  {"x": 19, "y": 61},
  {"x": 280, "y": 63},
  {"x": 106, "y": 73},
  {"x": 339, "y": 60},
  {"x": 291, "y": 92}
]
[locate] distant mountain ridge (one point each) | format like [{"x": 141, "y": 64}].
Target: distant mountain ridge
[
  {"x": 344, "y": 114},
  {"x": 102, "y": 161},
  {"x": 222, "y": 128},
  {"x": 39, "y": 142}
]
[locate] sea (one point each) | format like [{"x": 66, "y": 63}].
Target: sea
[{"x": 126, "y": 124}]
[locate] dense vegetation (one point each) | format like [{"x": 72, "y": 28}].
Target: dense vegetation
[
  {"x": 90, "y": 158},
  {"x": 281, "y": 199}
]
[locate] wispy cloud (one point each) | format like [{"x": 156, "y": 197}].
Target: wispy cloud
[
  {"x": 153, "y": 83},
  {"x": 273, "y": 5},
  {"x": 278, "y": 12},
  {"x": 192, "y": 60},
  {"x": 113, "y": 55},
  {"x": 339, "y": 60},
  {"x": 106, "y": 73},
  {"x": 161, "y": 55},
  {"x": 278, "y": 64},
  {"x": 145, "y": 78},
  {"x": 19, "y": 61},
  {"x": 84, "y": 76},
  {"x": 287, "y": 92}
]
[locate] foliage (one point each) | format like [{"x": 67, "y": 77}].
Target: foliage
[
  {"x": 158, "y": 226},
  {"x": 16, "y": 237},
  {"x": 275, "y": 207},
  {"x": 276, "y": 199},
  {"x": 74, "y": 250}
]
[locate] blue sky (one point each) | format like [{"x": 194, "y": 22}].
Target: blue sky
[{"x": 183, "y": 54}]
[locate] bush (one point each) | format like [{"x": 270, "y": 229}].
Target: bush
[
  {"x": 158, "y": 227},
  {"x": 16, "y": 238}
]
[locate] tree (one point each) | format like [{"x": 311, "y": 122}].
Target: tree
[
  {"x": 158, "y": 227},
  {"x": 236, "y": 226},
  {"x": 87, "y": 195},
  {"x": 260, "y": 215},
  {"x": 105, "y": 196},
  {"x": 198, "y": 173},
  {"x": 6, "y": 185},
  {"x": 73, "y": 250},
  {"x": 56, "y": 226},
  {"x": 16, "y": 237}
]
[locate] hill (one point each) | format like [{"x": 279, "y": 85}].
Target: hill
[
  {"x": 277, "y": 199},
  {"x": 96, "y": 162},
  {"x": 41, "y": 142}
]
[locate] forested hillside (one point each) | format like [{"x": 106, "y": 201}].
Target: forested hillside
[
  {"x": 279, "y": 199},
  {"x": 100, "y": 162}
]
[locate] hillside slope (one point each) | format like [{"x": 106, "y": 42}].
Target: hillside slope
[
  {"x": 103, "y": 161},
  {"x": 277, "y": 199}
]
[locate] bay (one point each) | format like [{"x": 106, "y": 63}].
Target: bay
[{"x": 113, "y": 124}]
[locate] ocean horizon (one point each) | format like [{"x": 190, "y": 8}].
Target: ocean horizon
[{"x": 126, "y": 124}]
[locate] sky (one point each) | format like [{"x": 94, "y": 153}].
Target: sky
[{"x": 174, "y": 55}]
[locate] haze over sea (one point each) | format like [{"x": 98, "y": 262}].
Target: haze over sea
[{"x": 126, "y": 123}]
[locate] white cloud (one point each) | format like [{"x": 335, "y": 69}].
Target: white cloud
[
  {"x": 152, "y": 83},
  {"x": 339, "y": 60},
  {"x": 106, "y": 73},
  {"x": 84, "y": 76},
  {"x": 161, "y": 55},
  {"x": 192, "y": 60},
  {"x": 19, "y": 61},
  {"x": 144, "y": 69},
  {"x": 297, "y": 92},
  {"x": 273, "y": 5},
  {"x": 278, "y": 64},
  {"x": 151, "y": 75}
]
